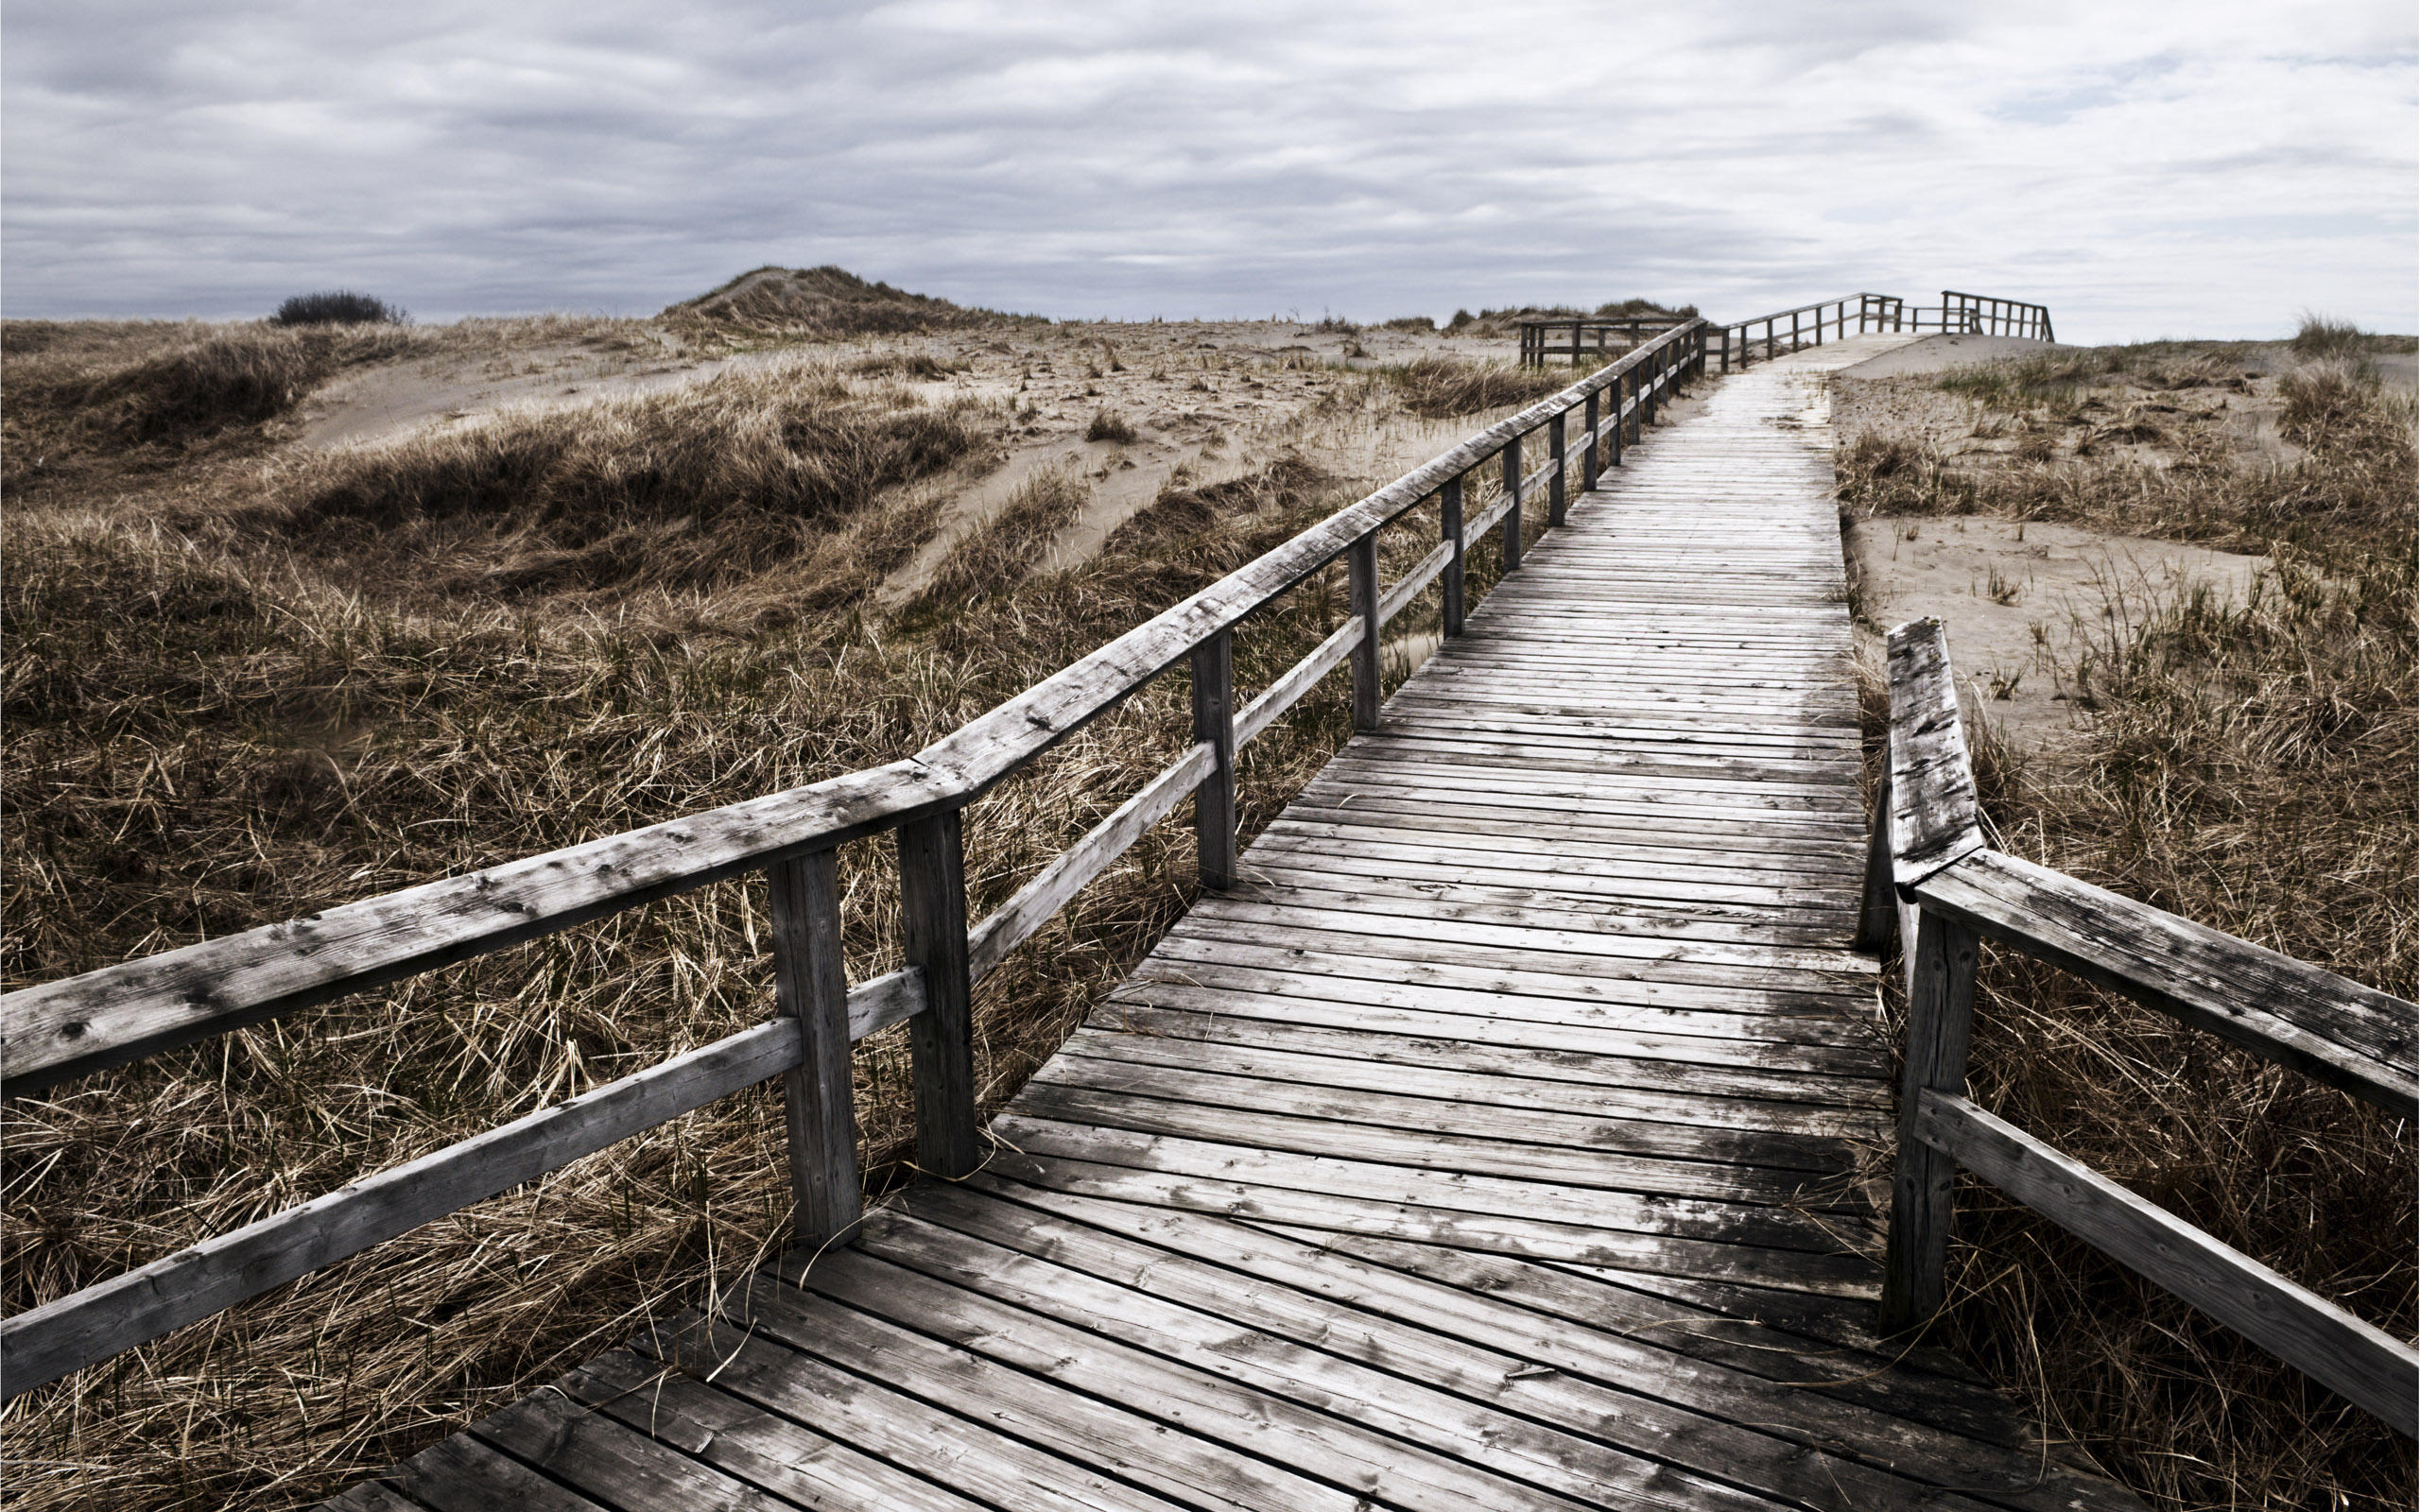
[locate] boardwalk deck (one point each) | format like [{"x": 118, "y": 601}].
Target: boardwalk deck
[{"x": 1512, "y": 1136}]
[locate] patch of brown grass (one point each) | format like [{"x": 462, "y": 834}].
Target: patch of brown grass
[
  {"x": 218, "y": 719},
  {"x": 2250, "y": 766},
  {"x": 1445, "y": 387}
]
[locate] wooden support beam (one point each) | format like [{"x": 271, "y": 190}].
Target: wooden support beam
[
  {"x": 1590, "y": 456},
  {"x": 818, "y": 1095},
  {"x": 1449, "y": 508},
  {"x": 932, "y": 901},
  {"x": 2360, "y": 1363},
  {"x": 1361, "y": 564},
  {"x": 1555, "y": 502},
  {"x": 1877, "y": 907},
  {"x": 1214, "y": 724},
  {"x": 1512, "y": 505},
  {"x": 1941, "y": 1008}
]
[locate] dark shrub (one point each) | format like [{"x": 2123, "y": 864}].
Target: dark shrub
[{"x": 337, "y": 307}]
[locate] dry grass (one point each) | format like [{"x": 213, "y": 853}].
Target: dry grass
[
  {"x": 2251, "y": 767},
  {"x": 1109, "y": 425},
  {"x": 672, "y": 493},
  {"x": 1444, "y": 387},
  {"x": 229, "y": 704}
]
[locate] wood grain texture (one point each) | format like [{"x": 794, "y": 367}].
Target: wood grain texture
[
  {"x": 941, "y": 1042},
  {"x": 2321, "y": 1024},
  {"x": 1934, "y": 818},
  {"x": 43, "y": 1343},
  {"x": 818, "y": 1101}
]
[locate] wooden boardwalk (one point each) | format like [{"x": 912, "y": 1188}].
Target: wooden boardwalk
[{"x": 1512, "y": 1137}]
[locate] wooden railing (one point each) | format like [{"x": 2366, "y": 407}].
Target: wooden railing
[
  {"x": 1932, "y": 876},
  {"x": 1590, "y": 337},
  {"x": 1786, "y": 331},
  {"x": 67, "y": 1028}
]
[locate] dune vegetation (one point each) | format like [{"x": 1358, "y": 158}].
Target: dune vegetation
[
  {"x": 2248, "y": 764},
  {"x": 245, "y": 680}
]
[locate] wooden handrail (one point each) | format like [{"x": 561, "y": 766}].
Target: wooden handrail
[
  {"x": 120, "y": 1013},
  {"x": 1965, "y": 314},
  {"x": 1950, "y": 891},
  {"x": 104, "y": 1018}
]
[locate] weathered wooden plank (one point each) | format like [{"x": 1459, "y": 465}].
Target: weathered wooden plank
[
  {"x": 941, "y": 1043},
  {"x": 811, "y": 983},
  {"x": 67, "y": 1028},
  {"x": 1362, "y": 1368},
  {"x": 989, "y": 1456},
  {"x": 1284, "y": 1189},
  {"x": 1039, "y": 901},
  {"x": 1299, "y": 680},
  {"x": 2324, "y": 1026},
  {"x": 1941, "y": 1008},
  {"x": 2357, "y": 1362},
  {"x": 1934, "y": 818},
  {"x": 43, "y": 1343},
  {"x": 1207, "y": 1407},
  {"x": 605, "y": 1460},
  {"x": 462, "y": 1474},
  {"x": 1651, "y": 1400},
  {"x": 1409, "y": 586},
  {"x": 1214, "y": 794},
  {"x": 771, "y": 1452}
]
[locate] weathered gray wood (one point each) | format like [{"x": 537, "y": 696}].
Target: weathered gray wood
[
  {"x": 1407, "y": 588},
  {"x": 70, "y": 1027},
  {"x": 1449, "y": 509},
  {"x": 1934, "y": 818},
  {"x": 43, "y": 1343},
  {"x": 2359, "y": 1362},
  {"x": 603, "y": 1459},
  {"x": 104, "y": 1018},
  {"x": 1362, "y": 575},
  {"x": 462, "y": 1474},
  {"x": 1555, "y": 462},
  {"x": 1299, "y": 680},
  {"x": 1512, "y": 505},
  {"x": 1877, "y": 911},
  {"x": 2321, "y": 1024},
  {"x": 819, "y": 1097},
  {"x": 1039, "y": 901},
  {"x": 1941, "y": 1008},
  {"x": 1214, "y": 726},
  {"x": 1590, "y": 464},
  {"x": 884, "y": 1001},
  {"x": 922, "y": 1438},
  {"x": 941, "y": 1042},
  {"x": 797, "y": 1464}
]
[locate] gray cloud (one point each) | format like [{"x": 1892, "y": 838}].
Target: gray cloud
[{"x": 1084, "y": 160}]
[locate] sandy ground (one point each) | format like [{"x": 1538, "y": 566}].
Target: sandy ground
[
  {"x": 2023, "y": 602},
  {"x": 1216, "y": 398}
]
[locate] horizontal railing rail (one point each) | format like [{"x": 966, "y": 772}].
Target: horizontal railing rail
[
  {"x": 1590, "y": 336},
  {"x": 68, "y": 1028},
  {"x": 1767, "y": 337},
  {"x": 1932, "y": 877}
]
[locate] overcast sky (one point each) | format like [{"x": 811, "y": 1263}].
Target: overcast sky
[{"x": 2204, "y": 168}]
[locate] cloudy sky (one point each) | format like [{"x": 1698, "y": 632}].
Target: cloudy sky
[{"x": 2195, "y": 167}]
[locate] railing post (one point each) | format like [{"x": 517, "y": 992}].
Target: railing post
[
  {"x": 941, "y": 1039},
  {"x": 1726, "y": 349},
  {"x": 1621, "y": 411},
  {"x": 1555, "y": 502},
  {"x": 1941, "y": 1008},
  {"x": 818, "y": 1102},
  {"x": 1878, "y": 909},
  {"x": 1513, "y": 514},
  {"x": 1214, "y": 723},
  {"x": 1362, "y": 566},
  {"x": 1449, "y": 510},
  {"x": 1591, "y": 416}
]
